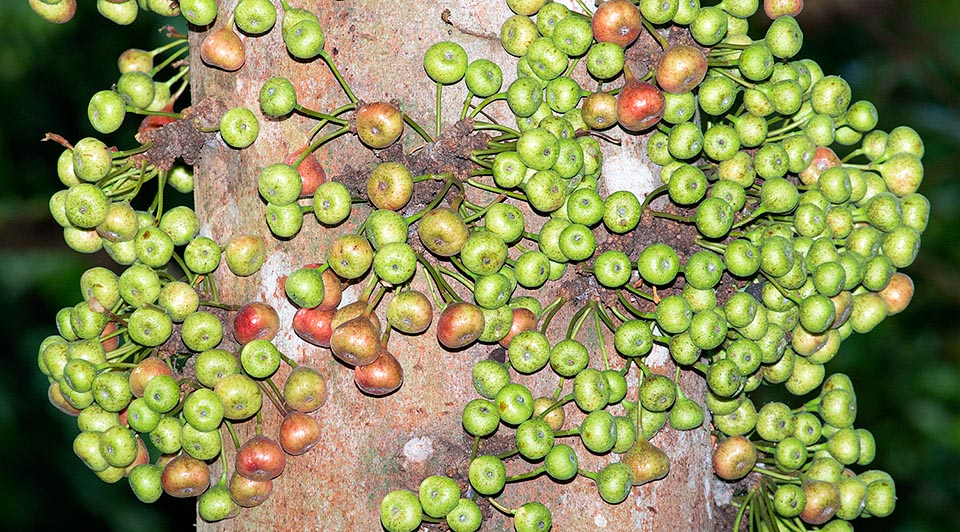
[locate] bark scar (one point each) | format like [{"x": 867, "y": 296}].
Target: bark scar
[{"x": 447, "y": 17}]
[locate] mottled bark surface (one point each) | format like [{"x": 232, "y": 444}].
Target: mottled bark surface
[{"x": 373, "y": 445}]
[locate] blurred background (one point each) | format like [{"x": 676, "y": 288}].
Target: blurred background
[{"x": 902, "y": 56}]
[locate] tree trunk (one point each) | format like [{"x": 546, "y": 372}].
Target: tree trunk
[{"x": 371, "y": 446}]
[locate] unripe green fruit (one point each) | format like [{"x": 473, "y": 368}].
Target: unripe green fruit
[
  {"x": 162, "y": 393},
  {"x": 106, "y": 111},
  {"x": 149, "y": 327},
  {"x": 305, "y": 39},
  {"x": 239, "y": 127},
  {"x": 605, "y": 60},
  {"x": 784, "y": 37},
  {"x": 240, "y": 395},
  {"x": 255, "y": 17},
  {"x": 400, "y": 511},
  {"x": 122, "y": 13},
  {"x": 830, "y": 96},
  {"x": 245, "y": 254},
  {"x": 445, "y": 62},
  {"x": 278, "y": 97},
  {"x": 487, "y": 474},
  {"x": 438, "y": 495}
]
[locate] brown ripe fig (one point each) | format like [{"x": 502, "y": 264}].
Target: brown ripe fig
[
  {"x": 356, "y": 342},
  {"x": 681, "y": 68},
  {"x": 135, "y": 60},
  {"x": 390, "y": 186},
  {"x": 314, "y": 325},
  {"x": 843, "y": 305},
  {"x": 185, "y": 476},
  {"x": 312, "y": 174},
  {"x": 260, "y": 458},
  {"x": 410, "y": 312},
  {"x": 460, "y": 324},
  {"x": 823, "y": 500},
  {"x": 249, "y": 493},
  {"x": 143, "y": 456},
  {"x": 898, "y": 293},
  {"x": 379, "y": 124},
  {"x": 617, "y": 21},
  {"x": 555, "y": 417},
  {"x": 640, "y": 105},
  {"x": 779, "y": 8},
  {"x": 298, "y": 433},
  {"x": 647, "y": 462},
  {"x": 110, "y": 342},
  {"x": 823, "y": 158},
  {"x": 59, "y": 401},
  {"x": 442, "y": 231},
  {"x": 305, "y": 389},
  {"x": 255, "y": 320},
  {"x": 352, "y": 310},
  {"x": 380, "y": 377},
  {"x": 56, "y": 12},
  {"x": 223, "y": 49},
  {"x": 145, "y": 370},
  {"x": 332, "y": 290},
  {"x": 599, "y": 110},
  {"x": 734, "y": 457},
  {"x": 165, "y": 459},
  {"x": 523, "y": 320}
]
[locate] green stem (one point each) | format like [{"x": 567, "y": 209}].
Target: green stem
[
  {"x": 450, "y": 180},
  {"x": 483, "y": 210},
  {"x": 786, "y": 293},
  {"x": 655, "y": 34},
  {"x": 336, "y": 72},
  {"x": 592, "y": 475},
  {"x": 219, "y": 305},
  {"x": 507, "y": 454},
  {"x": 446, "y": 293},
  {"x": 550, "y": 311},
  {"x": 652, "y": 195},
  {"x": 169, "y": 60},
  {"x": 575, "y": 431},
  {"x": 577, "y": 321},
  {"x": 742, "y": 510},
  {"x": 557, "y": 404},
  {"x": 466, "y": 104},
  {"x": 482, "y": 186},
  {"x": 191, "y": 277},
  {"x": 486, "y": 101},
  {"x": 138, "y": 111},
  {"x": 775, "y": 475},
  {"x": 509, "y": 132},
  {"x": 527, "y": 475},
  {"x": 439, "y": 106},
  {"x": 320, "y": 116},
  {"x": 761, "y": 210},
  {"x": 639, "y": 293},
  {"x": 320, "y": 142},
  {"x": 416, "y": 127},
  {"x": 474, "y": 449},
  {"x": 605, "y": 317},
  {"x": 233, "y": 434},
  {"x": 336, "y": 112},
  {"x": 603, "y": 350},
  {"x": 463, "y": 280},
  {"x": 674, "y": 217},
  {"x": 502, "y": 509}
]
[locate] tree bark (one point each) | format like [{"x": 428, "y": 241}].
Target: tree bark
[{"x": 371, "y": 446}]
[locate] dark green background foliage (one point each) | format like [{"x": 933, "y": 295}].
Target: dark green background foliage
[{"x": 902, "y": 56}]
